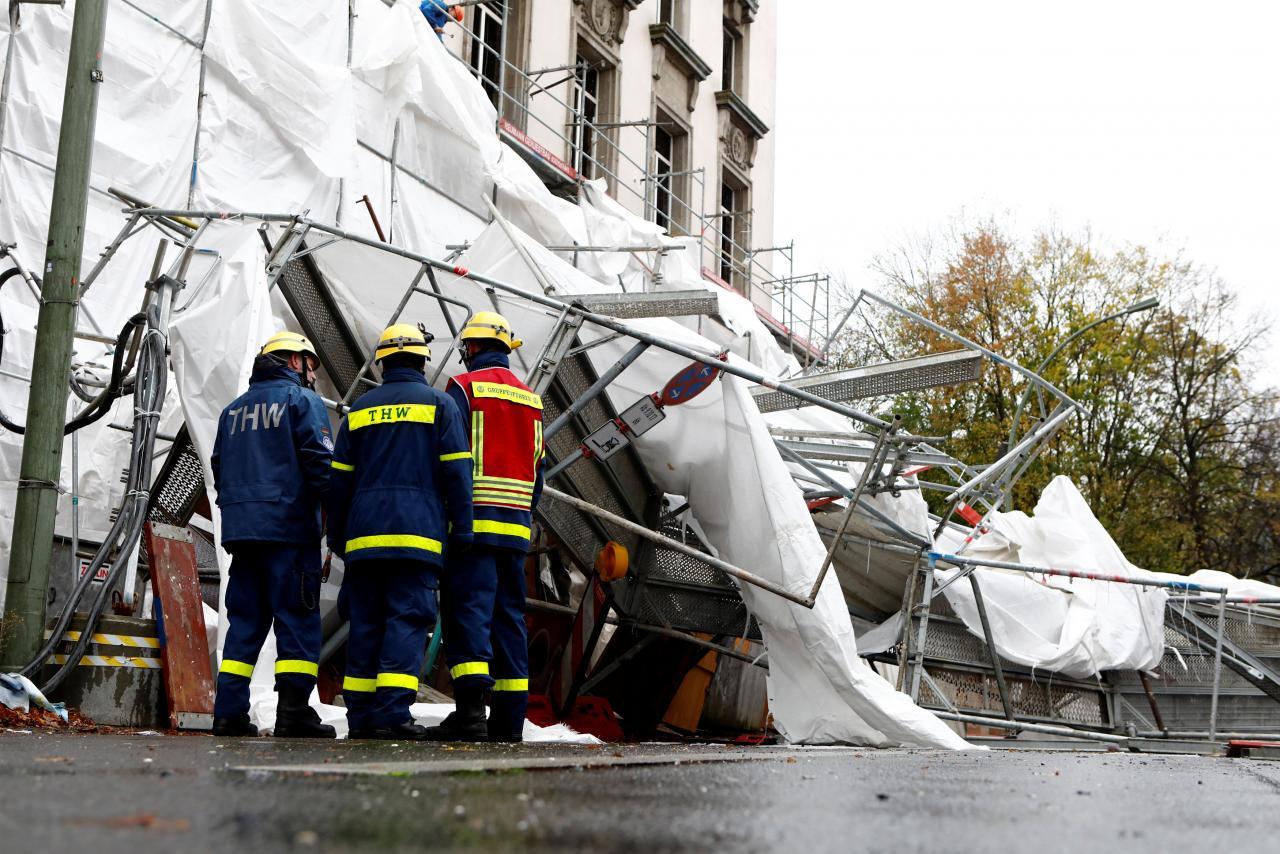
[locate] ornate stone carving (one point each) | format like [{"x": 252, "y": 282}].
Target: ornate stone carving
[
  {"x": 606, "y": 19},
  {"x": 603, "y": 16},
  {"x": 740, "y": 131},
  {"x": 738, "y": 147}
]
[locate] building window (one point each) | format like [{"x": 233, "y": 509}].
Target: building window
[
  {"x": 734, "y": 221},
  {"x": 670, "y": 174},
  {"x": 486, "y": 46},
  {"x": 729, "y": 60},
  {"x": 733, "y": 60},
  {"x": 728, "y": 204},
  {"x": 671, "y": 13},
  {"x": 586, "y": 112},
  {"x": 664, "y": 165}
]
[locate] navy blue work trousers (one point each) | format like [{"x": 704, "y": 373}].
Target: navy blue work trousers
[
  {"x": 392, "y": 608},
  {"x": 485, "y": 639},
  {"x": 270, "y": 585}
]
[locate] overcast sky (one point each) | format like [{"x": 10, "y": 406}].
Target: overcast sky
[{"x": 1151, "y": 122}]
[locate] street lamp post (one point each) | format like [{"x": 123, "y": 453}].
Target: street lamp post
[{"x": 1146, "y": 304}]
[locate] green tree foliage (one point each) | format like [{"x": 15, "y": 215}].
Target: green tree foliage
[{"x": 1178, "y": 453}]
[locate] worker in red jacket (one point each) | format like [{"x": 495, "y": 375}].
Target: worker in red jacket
[{"x": 482, "y": 588}]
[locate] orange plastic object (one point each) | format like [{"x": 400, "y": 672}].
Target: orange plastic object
[
  {"x": 612, "y": 561},
  {"x": 458, "y": 13}
]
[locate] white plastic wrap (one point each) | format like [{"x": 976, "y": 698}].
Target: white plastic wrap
[{"x": 1074, "y": 627}]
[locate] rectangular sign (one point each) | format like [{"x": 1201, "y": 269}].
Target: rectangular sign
[
  {"x": 607, "y": 440},
  {"x": 642, "y": 416},
  {"x": 100, "y": 575}
]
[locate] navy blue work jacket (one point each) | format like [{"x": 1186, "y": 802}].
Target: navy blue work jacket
[
  {"x": 271, "y": 461},
  {"x": 401, "y": 480}
]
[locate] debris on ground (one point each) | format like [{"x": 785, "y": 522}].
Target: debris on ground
[
  {"x": 37, "y": 718},
  {"x": 20, "y": 693}
]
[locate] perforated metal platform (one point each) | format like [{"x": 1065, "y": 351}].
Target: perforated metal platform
[
  {"x": 959, "y": 662},
  {"x": 179, "y": 486},
  {"x": 307, "y": 292},
  {"x": 1046, "y": 698},
  {"x": 1241, "y": 637},
  {"x": 943, "y": 369},
  {"x": 661, "y": 304},
  {"x": 676, "y": 590}
]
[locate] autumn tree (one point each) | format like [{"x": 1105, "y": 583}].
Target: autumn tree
[{"x": 1177, "y": 448}]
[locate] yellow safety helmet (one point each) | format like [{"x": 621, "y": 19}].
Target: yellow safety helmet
[
  {"x": 289, "y": 342},
  {"x": 403, "y": 338},
  {"x": 490, "y": 326}
]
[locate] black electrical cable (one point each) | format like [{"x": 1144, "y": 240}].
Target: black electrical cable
[
  {"x": 100, "y": 405},
  {"x": 115, "y": 387},
  {"x": 152, "y": 378}
]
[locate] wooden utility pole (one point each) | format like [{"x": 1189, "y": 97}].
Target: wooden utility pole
[{"x": 28, "y": 586}]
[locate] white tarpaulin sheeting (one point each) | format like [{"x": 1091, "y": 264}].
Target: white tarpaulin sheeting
[{"x": 1075, "y": 627}]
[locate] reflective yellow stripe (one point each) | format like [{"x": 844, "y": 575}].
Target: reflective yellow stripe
[
  {"x": 477, "y": 444},
  {"x": 357, "y": 684},
  {"x": 537, "y": 442},
  {"x": 488, "y": 526},
  {"x": 399, "y": 413},
  {"x": 293, "y": 665},
  {"x": 483, "y": 496},
  {"x": 506, "y": 392},
  {"x": 469, "y": 668},
  {"x": 236, "y": 668},
  {"x": 503, "y": 487},
  {"x": 461, "y": 455},
  {"x": 341, "y": 466},
  {"x": 504, "y": 490},
  {"x": 511, "y": 685},
  {"x": 395, "y": 541},
  {"x": 397, "y": 680},
  {"x": 506, "y": 481}
]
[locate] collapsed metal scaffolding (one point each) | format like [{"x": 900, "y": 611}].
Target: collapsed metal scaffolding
[{"x": 675, "y": 586}]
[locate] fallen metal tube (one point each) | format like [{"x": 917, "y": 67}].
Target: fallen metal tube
[
  {"x": 675, "y": 545},
  {"x": 1019, "y": 726},
  {"x": 956, "y": 560}
]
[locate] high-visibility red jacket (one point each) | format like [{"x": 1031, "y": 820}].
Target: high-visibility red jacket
[{"x": 505, "y": 418}]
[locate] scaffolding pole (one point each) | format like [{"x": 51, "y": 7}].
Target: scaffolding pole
[{"x": 41, "y": 467}]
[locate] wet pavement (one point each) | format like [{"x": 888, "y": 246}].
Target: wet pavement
[{"x": 137, "y": 793}]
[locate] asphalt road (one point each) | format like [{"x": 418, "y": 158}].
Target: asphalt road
[{"x": 107, "y": 793}]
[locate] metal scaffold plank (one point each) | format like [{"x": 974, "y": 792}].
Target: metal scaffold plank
[{"x": 890, "y": 378}]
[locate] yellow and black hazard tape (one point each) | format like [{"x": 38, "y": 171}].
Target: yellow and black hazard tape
[
  {"x": 111, "y": 661},
  {"x": 112, "y": 640}
]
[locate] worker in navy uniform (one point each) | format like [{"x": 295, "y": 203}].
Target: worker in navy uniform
[
  {"x": 401, "y": 492},
  {"x": 270, "y": 470},
  {"x": 483, "y": 589}
]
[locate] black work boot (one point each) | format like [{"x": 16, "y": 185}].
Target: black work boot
[
  {"x": 408, "y": 731},
  {"x": 235, "y": 727},
  {"x": 506, "y": 716},
  {"x": 295, "y": 718},
  {"x": 467, "y": 722}
]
